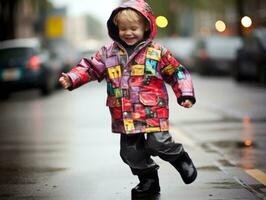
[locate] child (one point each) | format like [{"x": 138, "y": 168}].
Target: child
[{"x": 135, "y": 69}]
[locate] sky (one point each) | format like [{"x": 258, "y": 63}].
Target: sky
[{"x": 100, "y": 9}]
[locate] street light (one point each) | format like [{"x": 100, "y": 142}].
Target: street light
[
  {"x": 161, "y": 21},
  {"x": 220, "y": 26},
  {"x": 246, "y": 21}
]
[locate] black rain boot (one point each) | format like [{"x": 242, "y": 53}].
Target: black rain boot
[
  {"x": 186, "y": 168},
  {"x": 148, "y": 186}
]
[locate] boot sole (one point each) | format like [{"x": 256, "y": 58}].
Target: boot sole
[
  {"x": 193, "y": 178},
  {"x": 148, "y": 194}
]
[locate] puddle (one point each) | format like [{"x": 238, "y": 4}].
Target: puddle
[
  {"x": 225, "y": 185},
  {"x": 234, "y": 144},
  {"x": 208, "y": 168},
  {"x": 225, "y": 163},
  {"x": 260, "y": 188},
  {"x": 20, "y": 169},
  {"x": 33, "y": 197},
  {"x": 25, "y": 175},
  {"x": 207, "y": 148},
  {"x": 211, "y": 121},
  {"x": 6, "y": 195}
]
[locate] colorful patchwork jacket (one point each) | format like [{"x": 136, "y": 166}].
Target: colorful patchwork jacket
[{"x": 137, "y": 95}]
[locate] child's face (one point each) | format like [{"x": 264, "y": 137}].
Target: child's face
[{"x": 131, "y": 32}]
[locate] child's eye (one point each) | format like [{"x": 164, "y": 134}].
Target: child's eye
[{"x": 134, "y": 28}]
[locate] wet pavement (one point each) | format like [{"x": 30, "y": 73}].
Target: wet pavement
[{"x": 61, "y": 147}]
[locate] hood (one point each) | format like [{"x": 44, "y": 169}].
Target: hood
[{"x": 140, "y": 6}]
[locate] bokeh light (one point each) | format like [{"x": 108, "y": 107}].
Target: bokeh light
[
  {"x": 161, "y": 21},
  {"x": 220, "y": 26},
  {"x": 248, "y": 142},
  {"x": 246, "y": 21}
]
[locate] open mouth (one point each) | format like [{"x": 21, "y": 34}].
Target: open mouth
[{"x": 129, "y": 40}]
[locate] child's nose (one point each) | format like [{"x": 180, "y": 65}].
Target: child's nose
[{"x": 128, "y": 32}]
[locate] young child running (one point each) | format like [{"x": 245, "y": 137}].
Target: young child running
[{"x": 136, "y": 69}]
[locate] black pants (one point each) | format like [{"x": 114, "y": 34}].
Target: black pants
[{"x": 136, "y": 150}]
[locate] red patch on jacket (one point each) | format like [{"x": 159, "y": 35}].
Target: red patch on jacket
[
  {"x": 116, "y": 113},
  {"x": 148, "y": 99}
]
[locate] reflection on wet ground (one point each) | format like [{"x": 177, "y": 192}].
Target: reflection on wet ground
[
  {"x": 17, "y": 174},
  {"x": 208, "y": 168},
  {"x": 153, "y": 197},
  {"x": 48, "y": 152},
  {"x": 225, "y": 185},
  {"x": 234, "y": 144}
]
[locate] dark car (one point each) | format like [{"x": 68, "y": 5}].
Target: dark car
[
  {"x": 25, "y": 64},
  {"x": 64, "y": 53},
  {"x": 251, "y": 58},
  {"x": 215, "y": 55}
]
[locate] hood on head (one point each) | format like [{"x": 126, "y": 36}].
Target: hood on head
[{"x": 142, "y": 7}]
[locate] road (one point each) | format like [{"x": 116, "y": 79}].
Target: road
[{"x": 61, "y": 147}]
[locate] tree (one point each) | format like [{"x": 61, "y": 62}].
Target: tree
[
  {"x": 94, "y": 27},
  {"x": 7, "y": 19},
  {"x": 240, "y": 13},
  {"x": 173, "y": 9},
  {"x": 9, "y": 10},
  {"x": 42, "y": 7}
]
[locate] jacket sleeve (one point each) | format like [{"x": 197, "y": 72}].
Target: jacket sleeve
[
  {"x": 88, "y": 70},
  {"x": 177, "y": 76}
]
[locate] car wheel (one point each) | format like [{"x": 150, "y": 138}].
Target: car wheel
[
  {"x": 47, "y": 85},
  {"x": 239, "y": 67},
  {"x": 204, "y": 70},
  {"x": 262, "y": 74},
  {"x": 4, "y": 95}
]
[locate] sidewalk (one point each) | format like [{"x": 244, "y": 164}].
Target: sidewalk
[{"x": 217, "y": 178}]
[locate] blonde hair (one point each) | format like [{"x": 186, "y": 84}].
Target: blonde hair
[{"x": 131, "y": 15}]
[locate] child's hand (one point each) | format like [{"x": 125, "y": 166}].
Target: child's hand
[
  {"x": 187, "y": 104},
  {"x": 65, "y": 81}
]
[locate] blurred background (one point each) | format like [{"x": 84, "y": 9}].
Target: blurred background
[
  {"x": 209, "y": 37},
  {"x": 56, "y": 144}
]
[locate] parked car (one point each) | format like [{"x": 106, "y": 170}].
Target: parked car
[
  {"x": 25, "y": 64},
  {"x": 215, "y": 55},
  {"x": 251, "y": 58},
  {"x": 64, "y": 53},
  {"x": 90, "y": 47},
  {"x": 87, "y": 53},
  {"x": 181, "y": 48}
]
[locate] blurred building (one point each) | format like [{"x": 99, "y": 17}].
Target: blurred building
[
  {"x": 194, "y": 21},
  {"x": 231, "y": 14},
  {"x": 204, "y": 21},
  {"x": 55, "y": 24},
  {"x": 256, "y": 9},
  {"x": 17, "y": 19},
  {"x": 22, "y": 18},
  {"x": 83, "y": 28},
  {"x": 198, "y": 18},
  {"x": 25, "y": 19}
]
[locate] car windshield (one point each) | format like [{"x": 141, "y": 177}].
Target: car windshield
[
  {"x": 15, "y": 54},
  {"x": 180, "y": 47},
  {"x": 223, "y": 47}
]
